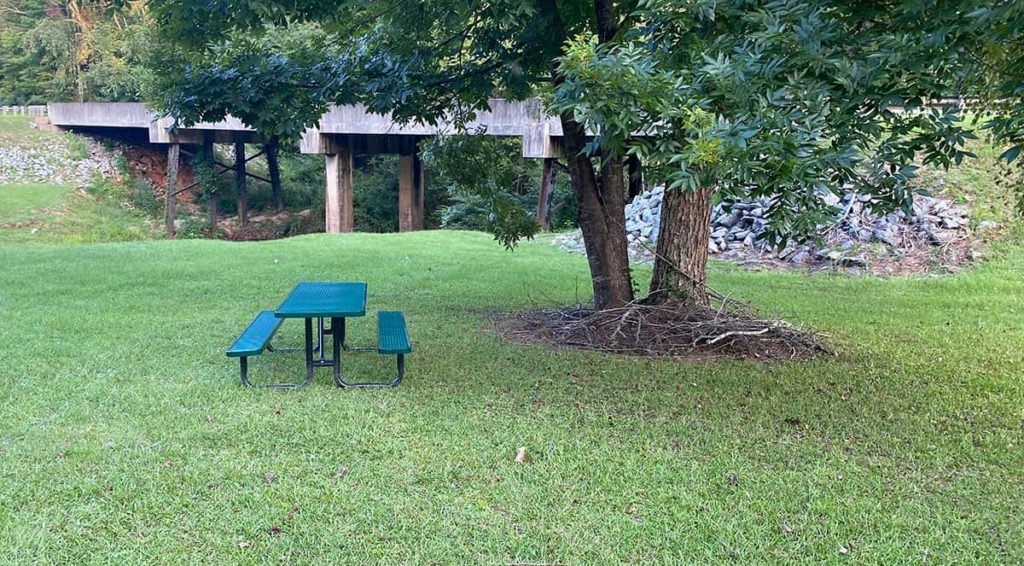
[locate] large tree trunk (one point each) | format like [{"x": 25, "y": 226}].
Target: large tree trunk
[
  {"x": 680, "y": 268},
  {"x": 601, "y": 197},
  {"x": 602, "y": 205}
]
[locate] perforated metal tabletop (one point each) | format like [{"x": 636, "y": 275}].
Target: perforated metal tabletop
[{"x": 324, "y": 300}]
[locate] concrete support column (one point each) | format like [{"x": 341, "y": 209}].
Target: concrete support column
[
  {"x": 339, "y": 190},
  {"x": 410, "y": 188},
  {"x": 243, "y": 212},
  {"x": 173, "y": 153}
]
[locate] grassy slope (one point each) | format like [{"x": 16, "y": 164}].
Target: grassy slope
[
  {"x": 43, "y": 212},
  {"x": 124, "y": 432},
  {"x": 19, "y": 126},
  {"x": 23, "y": 201}
]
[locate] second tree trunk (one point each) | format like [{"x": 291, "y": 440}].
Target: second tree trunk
[{"x": 680, "y": 268}]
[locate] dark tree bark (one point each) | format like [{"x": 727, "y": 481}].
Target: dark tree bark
[
  {"x": 680, "y": 268},
  {"x": 209, "y": 159},
  {"x": 601, "y": 195},
  {"x": 607, "y": 26},
  {"x": 173, "y": 152},
  {"x": 636, "y": 176},
  {"x": 270, "y": 149},
  {"x": 544, "y": 199},
  {"x": 243, "y": 207},
  {"x": 602, "y": 203}
]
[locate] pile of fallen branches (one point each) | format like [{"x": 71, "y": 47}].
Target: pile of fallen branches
[{"x": 727, "y": 329}]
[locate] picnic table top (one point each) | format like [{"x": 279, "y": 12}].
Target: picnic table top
[{"x": 324, "y": 300}]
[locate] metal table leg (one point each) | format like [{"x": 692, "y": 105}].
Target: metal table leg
[
  {"x": 344, "y": 345},
  {"x": 337, "y": 339},
  {"x": 393, "y": 382},
  {"x": 318, "y": 347},
  {"x": 309, "y": 350},
  {"x": 244, "y": 366},
  {"x": 320, "y": 338}
]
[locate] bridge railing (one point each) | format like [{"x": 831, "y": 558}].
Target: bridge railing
[{"x": 31, "y": 110}]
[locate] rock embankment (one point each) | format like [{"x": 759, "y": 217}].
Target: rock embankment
[
  {"x": 60, "y": 160},
  {"x": 935, "y": 234}
]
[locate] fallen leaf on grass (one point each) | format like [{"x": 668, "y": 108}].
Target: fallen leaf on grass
[
  {"x": 269, "y": 478},
  {"x": 521, "y": 455},
  {"x": 342, "y": 472},
  {"x": 244, "y": 544},
  {"x": 168, "y": 464},
  {"x": 288, "y": 516},
  {"x": 786, "y": 529},
  {"x": 274, "y": 530}
]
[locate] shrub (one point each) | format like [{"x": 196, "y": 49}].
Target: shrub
[
  {"x": 510, "y": 189},
  {"x": 143, "y": 198},
  {"x": 191, "y": 228},
  {"x": 77, "y": 149}
]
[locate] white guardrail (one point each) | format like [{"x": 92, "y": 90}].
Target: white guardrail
[{"x": 33, "y": 110}]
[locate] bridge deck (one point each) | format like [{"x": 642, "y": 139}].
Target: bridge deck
[{"x": 525, "y": 119}]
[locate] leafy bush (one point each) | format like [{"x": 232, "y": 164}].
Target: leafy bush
[
  {"x": 491, "y": 187},
  {"x": 376, "y": 194},
  {"x": 143, "y": 198},
  {"x": 120, "y": 162},
  {"x": 191, "y": 228},
  {"x": 77, "y": 149},
  {"x": 102, "y": 187},
  {"x": 302, "y": 179}
]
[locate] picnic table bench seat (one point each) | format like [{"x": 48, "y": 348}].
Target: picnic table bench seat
[
  {"x": 253, "y": 340},
  {"x": 392, "y": 339}
]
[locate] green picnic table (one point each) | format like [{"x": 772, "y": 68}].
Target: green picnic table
[{"x": 322, "y": 301}]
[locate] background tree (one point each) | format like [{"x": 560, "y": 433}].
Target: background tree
[
  {"x": 34, "y": 43},
  {"x": 420, "y": 61},
  {"x": 788, "y": 99},
  {"x": 794, "y": 101},
  {"x": 71, "y": 50},
  {"x": 482, "y": 167},
  {"x": 995, "y": 49}
]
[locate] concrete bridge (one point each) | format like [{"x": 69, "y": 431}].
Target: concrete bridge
[{"x": 342, "y": 133}]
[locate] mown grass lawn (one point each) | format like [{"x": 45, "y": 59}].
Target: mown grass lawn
[{"x": 125, "y": 436}]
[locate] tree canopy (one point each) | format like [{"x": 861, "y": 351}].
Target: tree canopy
[
  {"x": 72, "y": 50},
  {"x": 782, "y": 98}
]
